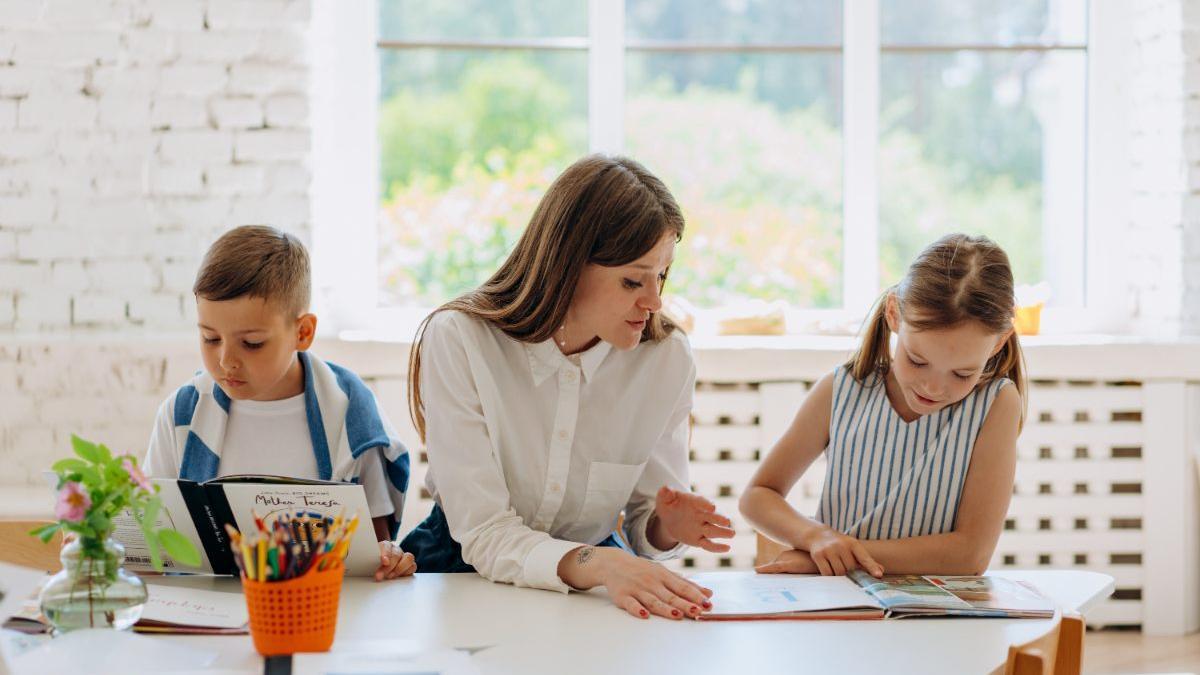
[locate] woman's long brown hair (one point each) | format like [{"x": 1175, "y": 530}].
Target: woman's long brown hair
[
  {"x": 604, "y": 210},
  {"x": 956, "y": 278}
]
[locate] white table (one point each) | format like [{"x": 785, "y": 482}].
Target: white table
[{"x": 530, "y": 631}]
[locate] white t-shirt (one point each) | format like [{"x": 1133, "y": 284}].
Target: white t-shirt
[{"x": 265, "y": 437}]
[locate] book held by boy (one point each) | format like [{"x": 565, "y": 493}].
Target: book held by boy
[
  {"x": 200, "y": 511},
  {"x": 746, "y": 595}
]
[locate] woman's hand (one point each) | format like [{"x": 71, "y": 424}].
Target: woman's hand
[
  {"x": 790, "y": 561},
  {"x": 691, "y": 519},
  {"x": 835, "y": 553},
  {"x": 394, "y": 562},
  {"x": 637, "y": 586},
  {"x": 642, "y": 588}
]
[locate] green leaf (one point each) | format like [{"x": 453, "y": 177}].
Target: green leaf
[
  {"x": 88, "y": 476},
  {"x": 86, "y": 450},
  {"x": 178, "y": 547},
  {"x": 67, "y": 465},
  {"x": 99, "y": 521},
  {"x": 45, "y": 532},
  {"x": 105, "y": 453}
]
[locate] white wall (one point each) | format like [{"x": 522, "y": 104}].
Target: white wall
[
  {"x": 1163, "y": 258},
  {"x": 131, "y": 134}
]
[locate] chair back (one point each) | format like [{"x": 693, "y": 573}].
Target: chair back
[
  {"x": 22, "y": 548},
  {"x": 1057, "y": 652}
]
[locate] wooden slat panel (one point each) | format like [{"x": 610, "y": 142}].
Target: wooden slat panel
[{"x": 741, "y": 405}]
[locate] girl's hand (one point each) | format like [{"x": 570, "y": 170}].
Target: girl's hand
[
  {"x": 691, "y": 519},
  {"x": 836, "y": 554},
  {"x": 394, "y": 562},
  {"x": 642, "y": 588},
  {"x": 790, "y": 562}
]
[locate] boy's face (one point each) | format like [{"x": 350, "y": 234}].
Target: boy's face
[{"x": 249, "y": 347}]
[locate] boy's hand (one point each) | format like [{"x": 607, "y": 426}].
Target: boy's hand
[
  {"x": 394, "y": 562},
  {"x": 691, "y": 519}
]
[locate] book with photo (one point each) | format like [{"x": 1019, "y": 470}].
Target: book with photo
[{"x": 747, "y": 595}]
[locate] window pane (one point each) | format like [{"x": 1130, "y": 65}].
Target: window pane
[
  {"x": 751, "y": 146},
  {"x": 735, "y": 21},
  {"x": 986, "y": 143},
  {"x": 982, "y": 22},
  {"x": 469, "y": 141},
  {"x": 482, "y": 19}
]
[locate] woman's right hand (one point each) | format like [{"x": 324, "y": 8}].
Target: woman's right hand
[
  {"x": 638, "y": 586},
  {"x": 642, "y": 587}
]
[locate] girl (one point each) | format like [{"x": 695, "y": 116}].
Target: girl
[
  {"x": 555, "y": 395},
  {"x": 921, "y": 444}
]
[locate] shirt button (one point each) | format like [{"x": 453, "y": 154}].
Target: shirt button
[
  {"x": 570, "y": 376},
  {"x": 555, "y": 487},
  {"x": 562, "y": 434}
]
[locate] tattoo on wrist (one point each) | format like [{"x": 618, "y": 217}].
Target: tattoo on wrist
[{"x": 585, "y": 554}]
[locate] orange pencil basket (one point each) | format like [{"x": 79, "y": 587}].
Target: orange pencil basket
[{"x": 297, "y": 615}]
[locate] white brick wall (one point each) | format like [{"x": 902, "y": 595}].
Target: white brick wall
[
  {"x": 1164, "y": 254},
  {"x": 131, "y": 133}
]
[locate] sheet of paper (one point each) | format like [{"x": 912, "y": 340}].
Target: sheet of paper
[
  {"x": 747, "y": 593},
  {"x": 194, "y": 607},
  {"x": 102, "y": 650},
  {"x": 384, "y": 657},
  {"x": 246, "y": 499}
]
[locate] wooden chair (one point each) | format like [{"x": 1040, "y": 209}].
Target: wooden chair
[
  {"x": 1058, "y": 652},
  {"x": 21, "y": 548}
]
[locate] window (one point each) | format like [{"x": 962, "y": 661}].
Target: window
[{"x": 931, "y": 116}]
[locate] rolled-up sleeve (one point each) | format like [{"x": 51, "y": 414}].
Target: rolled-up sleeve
[{"x": 469, "y": 479}]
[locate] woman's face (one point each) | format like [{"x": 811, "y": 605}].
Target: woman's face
[{"x": 614, "y": 303}]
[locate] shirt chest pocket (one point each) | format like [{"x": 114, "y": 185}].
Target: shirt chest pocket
[{"x": 608, "y": 488}]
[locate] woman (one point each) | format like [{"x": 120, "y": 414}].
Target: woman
[{"x": 555, "y": 395}]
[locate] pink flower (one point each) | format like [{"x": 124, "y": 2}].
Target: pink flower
[
  {"x": 135, "y": 474},
  {"x": 73, "y": 503}
]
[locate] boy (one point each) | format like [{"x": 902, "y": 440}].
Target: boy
[{"x": 263, "y": 404}]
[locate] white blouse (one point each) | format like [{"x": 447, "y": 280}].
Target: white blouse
[{"x": 531, "y": 455}]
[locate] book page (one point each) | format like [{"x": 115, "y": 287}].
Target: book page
[
  {"x": 894, "y": 591},
  {"x": 348, "y": 499},
  {"x": 994, "y": 593},
  {"x": 194, "y": 607},
  {"x": 174, "y": 515},
  {"x": 748, "y": 593}
]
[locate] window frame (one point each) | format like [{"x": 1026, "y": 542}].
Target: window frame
[{"x": 345, "y": 158}]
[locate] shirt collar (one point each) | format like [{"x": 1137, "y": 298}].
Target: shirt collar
[{"x": 545, "y": 359}]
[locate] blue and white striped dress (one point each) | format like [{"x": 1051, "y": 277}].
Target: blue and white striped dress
[{"x": 889, "y": 479}]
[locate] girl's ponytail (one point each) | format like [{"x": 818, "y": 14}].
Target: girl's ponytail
[
  {"x": 1009, "y": 362},
  {"x": 874, "y": 354}
]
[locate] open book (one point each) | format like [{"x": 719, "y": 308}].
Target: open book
[
  {"x": 168, "y": 609},
  {"x": 199, "y": 511},
  {"x": 746, "y": 595}
]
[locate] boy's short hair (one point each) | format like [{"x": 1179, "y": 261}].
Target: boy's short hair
[{"x": 258, "y": 261}]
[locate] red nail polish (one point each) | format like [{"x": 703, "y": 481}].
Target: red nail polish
[
  {"x": 643, "y": 613},
  {"x": 675, "y": 612},
  {"x": 707, "y": 605}
]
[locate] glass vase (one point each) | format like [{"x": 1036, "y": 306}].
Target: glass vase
[{"x": 93, "y": 590}]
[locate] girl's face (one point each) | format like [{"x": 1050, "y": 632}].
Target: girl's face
[
  {"x": 249, "y": 347},
  {"x": 614, "y": 303},
  {"x": 935, "y": 368}
]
